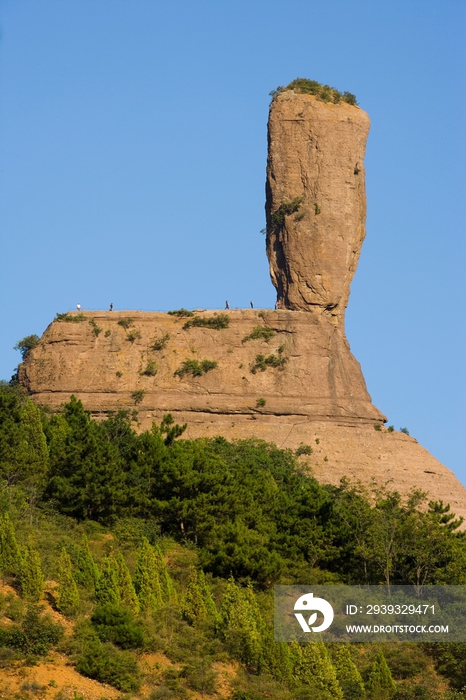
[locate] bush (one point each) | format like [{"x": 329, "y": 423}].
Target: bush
[
  {"x": 377, "y": 427},
  {"x": 181, "y": 313},
  {"x": 133, "y": 335},
  {"x": 70, "y": 318},
  {"x": 404, "y": 430},
  {"x": 27, "y": 344},
  {"x": 138, "y": 395},
  {"x": 285, "y": 209},
  {"x": 95, "y": 328},
  {"x": 151, "y": 369},
  {"x": 36, "y": 635},
  {"x": 303, "y": 450},
  {"x": 322, "y": 92},
  {"x": 262, "y": 362},
  {"x": 117, "y": 625},
  {"x": 200, "y": 676},
  {"x": 105, "y": 664},
  {"x": 260, "y": 402},
  {"x": 125, "y": 323},
  {"x": 195, "y": 368},
  {"x": 160, "y": 343},
  {"x": 217, "y": 321},
  {"x": 259, "y": 333}
]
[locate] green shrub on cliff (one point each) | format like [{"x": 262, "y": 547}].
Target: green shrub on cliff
[
  {"x": 322, "y": 92},
  {"x": 217, "y": 321},
  {"x": 195, "y": 368},
  {"x": 27, "y": 344}
]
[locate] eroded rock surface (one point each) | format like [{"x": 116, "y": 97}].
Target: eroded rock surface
[{"x": 315, "y": 171}]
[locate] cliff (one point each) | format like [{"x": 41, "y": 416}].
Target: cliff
[{"x": 285, "y": 376}]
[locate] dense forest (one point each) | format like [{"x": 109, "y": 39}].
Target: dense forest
[{"x": 145, "y": 542}]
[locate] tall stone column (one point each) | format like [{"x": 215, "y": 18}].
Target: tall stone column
[{"x": 316, "y": 201}]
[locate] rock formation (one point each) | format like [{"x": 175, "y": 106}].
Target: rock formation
[
  {"x": 316, "y": 201},
  {"x": 286, "y": 376}
]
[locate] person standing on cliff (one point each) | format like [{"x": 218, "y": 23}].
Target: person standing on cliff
[
  {"x": 111, "y": 307},
  {"x": 78, "y": 307},
  {"x": 277, "y": 304},
  {"x": 227, "y": 305},
  {"x": 252, "y": 305}
]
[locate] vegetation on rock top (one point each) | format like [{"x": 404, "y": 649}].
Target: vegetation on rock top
[{"x": 322, "y": 92}]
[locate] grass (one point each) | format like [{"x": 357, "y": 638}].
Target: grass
[
  {"x": 325, "y": 93},
  {"x": 195, "y": 367},
  {"x": 217, "y": 321},
  {"x": 259, "y": 333}
]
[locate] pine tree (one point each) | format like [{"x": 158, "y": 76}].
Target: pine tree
[
  {"x": 34, "y": 453},
  {"x": 240, "y": 624},
  {"x": 107, "y": 591},
  {"x": 193, "y": 607},
  {"x": 146, "y": 579},
  {"x": 86, "y": 572},
  {"x": 380, "y": 685},
  {"x": 128, "y": 597},
  {"x": 347, "y": 673},
  {"x": 68, "y": 596},
  {"x": 313, "y": 667},
  {"x": 31, "y": 577},
  {"x": 166, "y": 583},
  {"x": 197, "y": 603},
  {"x": 10, "y": 555}
]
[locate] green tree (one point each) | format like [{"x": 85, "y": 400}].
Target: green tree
[
  {"x": 166, "y": 584},
  {"x": 197, "y": 603},
  {"x": 27, "y": 344},
  {"x": 10, "y": 555},
  {"x": 31, "y": 577},
  {"x": 348, "y": 675},
  {"x": 68, "y": 596},
  {"x": 86, "y": 473},
  {"x": 86, "y": 572},
  {"x": 380, "y": 685},
  {"x": 146, "y": 579},
  {"x": 34, "y": 454},
  {"x": 313, "y": 667},
  {"x": 240, "y": 625},
  {"x": 107, "y": 591},
  {"x": 128, "y": 597}
]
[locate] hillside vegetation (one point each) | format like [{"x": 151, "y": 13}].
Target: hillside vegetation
[{"x": 149, "y": 560}]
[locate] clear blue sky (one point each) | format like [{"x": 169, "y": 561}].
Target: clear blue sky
[{"x": 132, "y": 170}]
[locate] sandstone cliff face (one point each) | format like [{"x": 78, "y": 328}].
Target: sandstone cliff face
[
  {"x": 316, "y": 160},
  {"x": 318, "y": 399},
  {"x": 285, "y": 376},
  {"x": 319, "y": 379}
]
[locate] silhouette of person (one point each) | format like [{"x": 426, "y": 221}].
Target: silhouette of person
[
  {"x": 252, "y": 305},
  {"x": 277, "y": 304},
  {"x": 227, "y": 305},
  {"x": 111, "y": 307}
]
